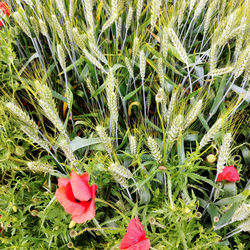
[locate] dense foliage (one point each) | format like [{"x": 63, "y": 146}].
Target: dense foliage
[{"x": 150, "y": 98}]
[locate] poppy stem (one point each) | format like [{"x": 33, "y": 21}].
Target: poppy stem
[{"x": 116, "y": 209}]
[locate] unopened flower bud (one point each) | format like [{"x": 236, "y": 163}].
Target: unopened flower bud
[
  {"x": 72, "y": 224},
  {"x": 151, "y": 220},
  {"x": 198, "y": 215},
  {"x": 162, "y": 168},
  {"x": 73, "y": 233},
  {"x": 70, "y": 245},
  {"x": 216, "y": 219},
  {"x": 211, "y": 158},
  {"x": 14, "y": 208},
  {"x": 34, "y": 212}
]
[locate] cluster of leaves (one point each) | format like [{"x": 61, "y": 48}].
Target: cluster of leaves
[{"x": 137, "y": 84}]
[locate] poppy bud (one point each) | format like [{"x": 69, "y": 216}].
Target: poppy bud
[
  {"x": 72, "y": 224},
  {"x": 198, "y": 215},
  {"x": 70, "y": 245},
  {"x": 216, "y": 219},
  {"x": 34, "y": 213},
  {"x": 211, "y": 158},
  {"x": 151, "y": 220},
  {"x": 14, "y": 208},
  {"x": 73, "y": 233},
  {"x": 162, "y": 168},
  {"x": 19, "y": 151}
]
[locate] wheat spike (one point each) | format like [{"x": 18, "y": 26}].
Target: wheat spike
[
  {"x": 209, "y": 13},
  {"x": 110, "y": 21},
  {"x": 129, "y": 18},
  {"x": 43, "y": 27},
  {"x": 139, "y": 9},
  {"x": 106, "y": 141},
  {"x": 21, "y": 115},
  {"x": 58, "y": 27},
  {"x": 221, "y": 71},
  {"x": 22, "y": 24},
  {"x": 78, "y": 39},
  {"x": 211, "y": 133},
  {"x": 241, "y": 213},
  {"x": 120, "y": 170},
  {"x": 52, "y": 115},
  {"x": 177, "y": 43},
  {"x": 61, "y": 7},
  {"x": 171, "y": 105},
  {"x": 142, "y": 64},
  {"x": 164, "y": 43},
  {"x": 68, "y": 152},
  {"x": 132, "y": 144},
  {"x": 120, "y": 180},
  {"x": 193, "y": 113},
  {"x": 181, "y": 13},
  {"x": 242, "y": 62},
  {"x": 200, "y": 6},
  {"x": 33, "y": 135},
  {"x": 224, "y": 152},
  {"x": 35, "y": 26},
  {"x": 39, "y": 167},
  {"x": 213, "y": 57},
  {"x": 61, "y": 56},
  {"x": 175, "y": 128},
  {"x": 155, "y": 10},
  {"x": 90, "y": 86},
  {"x": 129, "y": 67},
  {"x": 92, "y": 59},
  {"x": 71, "y": 9},
  {"x": 245, "y": 225},
  {"x": 135, "y": 47},
  {"x": 154, "y": 149},
  {"x": 89, "y": 13}
]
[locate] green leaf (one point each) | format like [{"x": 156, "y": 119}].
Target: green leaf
[
  {"x": 238, "y": 198},
  {"x": 83, "y": 142},
  {"x": 228, "y": 215},
  {"x": 34, "y": 56},
  {"x": 131, "y": 94},
  {"x": 145, "y": 195},
  {"x": 196, "y": 177}
]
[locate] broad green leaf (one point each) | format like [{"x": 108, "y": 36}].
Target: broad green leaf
[
  {"x": 131, "y": 94},
  {"x": 83, "y": 142}
]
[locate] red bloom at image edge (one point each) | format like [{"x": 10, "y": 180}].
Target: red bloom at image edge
[
  {"x": 77, "y": 197},
  {"x": 228, "y": 173},
  {"x": 135, "y": 238},
  {"x": 5, "y": 9}
]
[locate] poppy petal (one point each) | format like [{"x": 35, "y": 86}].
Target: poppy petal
[
  {"x": 135, "y": 233},
  {"x": 66, "y": 198},
  {"x": 89, "y": 212},
  {"x": 85, "y": 177},
  {"x": 142, "y": 245},
  {"x": 63, "y": 182},
  {"x": 228, "y": 173},
  {"x": 81, "y": 189}
]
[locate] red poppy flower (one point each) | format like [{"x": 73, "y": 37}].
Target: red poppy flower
[
  {"x": 228, "y": 173},
  {"x": 5, "y": 9},
  {"x": 135, "y": 238},
  {"x": 77, "y": 197}
]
